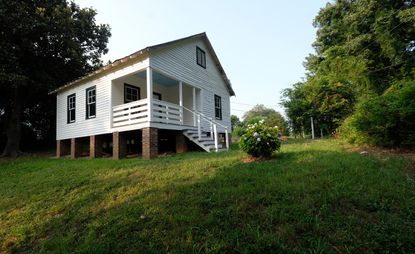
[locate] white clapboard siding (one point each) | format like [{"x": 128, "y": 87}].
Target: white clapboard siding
[
  {"x": 102, "y": 122},
  {"x": 179, "y": 62}
]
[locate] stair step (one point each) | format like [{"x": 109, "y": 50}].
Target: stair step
[{"x": 206, "y": 142}]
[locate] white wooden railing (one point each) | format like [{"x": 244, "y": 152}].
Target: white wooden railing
[
  {"x": 130, "y": 113},
  {"x": 136, "y": 112},
  {"x": 213, "y": 127},
  {"x": 166, "y": 112}
]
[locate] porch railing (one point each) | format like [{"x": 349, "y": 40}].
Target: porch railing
[
  {"x": 166, "y": 112},
  {"x": 136, "y": 112}
]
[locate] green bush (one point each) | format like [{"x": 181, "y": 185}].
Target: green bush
[
  {"x": 386, "y": 120},
  {"x": 260, "y": 140}
]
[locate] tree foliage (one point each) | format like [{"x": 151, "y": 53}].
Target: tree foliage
[
  {"x": 235, "y": 122},
  {"x": 270, "y": 116},
  {"x": 44, "y": 44},
  {"x": 385, "y": 120},
  {"x": 362, "y": 48}
]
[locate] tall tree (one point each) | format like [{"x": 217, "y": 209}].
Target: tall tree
[
  {"x": 362, "y": 48},
  {"x": 43, "y": 44},
  {"x": 297, "y": 108}
]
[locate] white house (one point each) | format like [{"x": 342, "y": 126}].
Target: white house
[{"x": 164, "y": 98}]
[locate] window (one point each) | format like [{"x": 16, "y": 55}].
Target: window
[
  {"x": 201, "y": 57},
  {"x": 71, "y": 108},
  {"x": 218, "y": 107},
  {"x": 131, "y": 93},
  {"x": 90, "y": 102}
]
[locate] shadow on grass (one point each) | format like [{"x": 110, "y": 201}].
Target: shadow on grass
[{"x": 316, "y": 200}]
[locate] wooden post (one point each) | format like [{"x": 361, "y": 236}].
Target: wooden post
[
  {"x": 215, "y": 130},
  {"x": 150, "y": 93},
  {"x": 211, "y": 130},
  {"x": 312, "y": 128},
  {"x": 194, "y": 105},
  {"x": 199, "y": 130},
  {"x": 119, "y": 146},
  {"x": 181, "y": 102},
  {"x": 95, "y": 146},
  {"x": 227, "y": 138},
  {"x": 76, "y": 148},
  {"x": 321, "y": 133}
]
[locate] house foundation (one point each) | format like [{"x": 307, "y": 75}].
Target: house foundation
[
  {"x": 95, "y": 146},
  {"x": 150, "y": 142},
  {"x": 63, "y": 147},
  {"x": 119, "y": 145},
  {"x": 76, "y": 148}
]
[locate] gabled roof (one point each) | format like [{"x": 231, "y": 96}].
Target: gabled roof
[{"x": 147, "y": 51}]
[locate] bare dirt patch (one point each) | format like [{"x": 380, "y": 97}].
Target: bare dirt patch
[{"x": 251, "y": 159}]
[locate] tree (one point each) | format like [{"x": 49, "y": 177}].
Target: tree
[
  {"x": 44, "y": 44},
  {"x": 235, "y": 122},
  {"x": 297, "y": 108},
  {"x": 362, "y": 48},
  {"x": 270, "y": 116}
]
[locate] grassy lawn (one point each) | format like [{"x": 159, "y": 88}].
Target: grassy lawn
[{"x": 314, "y": 197}]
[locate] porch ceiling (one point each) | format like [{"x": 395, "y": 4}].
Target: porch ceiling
[{"x": 159, "y": 79}]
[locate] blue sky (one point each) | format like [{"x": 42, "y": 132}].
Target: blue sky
[{"x": 261, "y": 44}]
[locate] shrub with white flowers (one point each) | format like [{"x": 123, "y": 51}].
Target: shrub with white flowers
[{"x": 260, "y": 140}]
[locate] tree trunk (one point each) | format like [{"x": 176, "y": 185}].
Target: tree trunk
[{"x": 14, "y": 128}]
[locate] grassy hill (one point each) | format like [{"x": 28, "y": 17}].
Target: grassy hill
[{"x": 313, "y": 197}]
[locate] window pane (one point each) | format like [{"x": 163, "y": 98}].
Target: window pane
[
  {"x": 131, "y": 93},
  {"x": 218, "y": 107},
  {"x": 92, "y": 110},
  {"x": 71, "y": 108},
  {"x": 200, "y": 57}
]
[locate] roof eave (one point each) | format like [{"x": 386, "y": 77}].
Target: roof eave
[{"x": 102, "y": 69}]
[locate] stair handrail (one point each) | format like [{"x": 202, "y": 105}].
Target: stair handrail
[{"x": 211, "y": 121}]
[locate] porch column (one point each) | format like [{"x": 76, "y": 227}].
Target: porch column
[
  {"x": 76, "y": 148},
  {"x": 62, "y": 148},
  {"x": 119, "y": 146},
  {"x": 181, "y": 101},
  {"x": 194, "y": 106},
  {"x": 150, "y": 93},
  {"x": 150, "y": 142},
  {"x": 180, "y": 93},
  {"x": 95, "y": 146}
]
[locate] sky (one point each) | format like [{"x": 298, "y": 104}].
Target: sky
[{"x": 261, "y": 44}]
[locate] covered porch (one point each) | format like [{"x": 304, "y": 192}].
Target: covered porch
[{"x": 149, "y": 96}]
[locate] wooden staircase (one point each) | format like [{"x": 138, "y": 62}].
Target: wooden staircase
[
  {"x": 205, "y": 141},
  {"x": 201, "y": 138}
]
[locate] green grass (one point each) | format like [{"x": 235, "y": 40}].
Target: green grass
[{"x": 314, "y": 197}]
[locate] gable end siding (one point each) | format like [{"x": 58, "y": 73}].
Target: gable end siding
[{"x": 180, "y": 61}]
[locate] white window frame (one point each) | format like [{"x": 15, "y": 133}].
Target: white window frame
[
  {"x": 91, "y": 99},
  {"x": 71, "y": 107}
]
